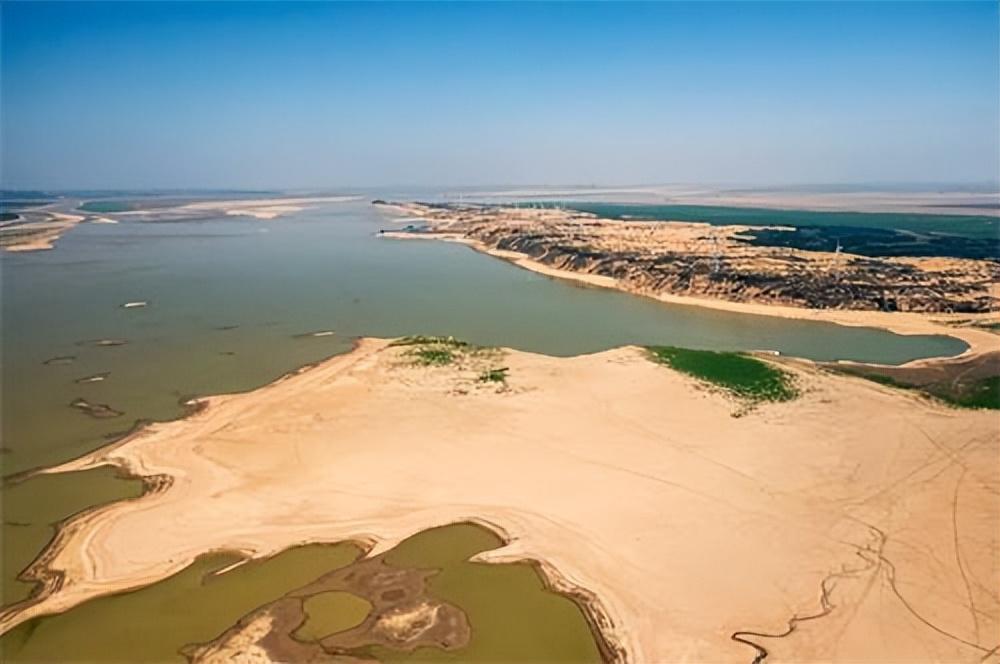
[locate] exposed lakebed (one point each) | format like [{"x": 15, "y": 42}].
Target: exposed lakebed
[{"x": 234, "y": 303}]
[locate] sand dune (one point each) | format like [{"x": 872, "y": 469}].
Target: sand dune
[{"x": 681, "y": 524}]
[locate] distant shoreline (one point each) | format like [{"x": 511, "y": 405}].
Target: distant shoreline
[
  {"x": 958, "y": 201},
  {"x": 905, "y": 323},
  {"x": 450, "y": 224}
]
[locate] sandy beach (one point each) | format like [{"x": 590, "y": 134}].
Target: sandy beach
[
  {"x": 43, "y": 234},
  {"x": 263, "y": 208},
  {"x": 683, "y": 529}
]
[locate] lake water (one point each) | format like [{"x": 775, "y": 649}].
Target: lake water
[{"x": 229, "y": 299}]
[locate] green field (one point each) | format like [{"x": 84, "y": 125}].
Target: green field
[{"x": 741, "y": 375}]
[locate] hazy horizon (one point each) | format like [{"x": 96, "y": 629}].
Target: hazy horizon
[
  {"x": 321, "y": 96},
  {"x": 970, "y": 187}
]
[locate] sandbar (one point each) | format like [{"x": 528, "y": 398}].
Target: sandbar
[
  {"x": 688, "y": 533},
  {"x": 41, "y": 234}
]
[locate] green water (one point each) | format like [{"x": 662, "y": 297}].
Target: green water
[
  {"x": 513, "y": 617},
  {"x": 30, "y": 510},
  {"x": 129, "y": 205},
  {"x": 193, "y": 606},
  {"x": 331, "y": 612},
  {"x": 972, "y": 226},
  {"x": 108, "y": 206},
  {"x": 229, "y": 299}
]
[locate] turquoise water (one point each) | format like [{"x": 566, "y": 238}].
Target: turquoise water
[
  {"x": 108, "y": 206},
  {"x": 971, "y": 226}
]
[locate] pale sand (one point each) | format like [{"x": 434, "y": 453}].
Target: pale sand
[
  {"x": 48, "y": 231},
  {"x": 678, "y": 523},
  {"x": 242, "y": 648},
  {"x": 265, "y": 208},
  {"x": 979, "y": 340}
]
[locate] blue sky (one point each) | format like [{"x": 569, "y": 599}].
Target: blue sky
[{"x": 239, "y": 94}]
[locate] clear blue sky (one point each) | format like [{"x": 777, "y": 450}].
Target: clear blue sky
[{"x": 241, "y": 94}]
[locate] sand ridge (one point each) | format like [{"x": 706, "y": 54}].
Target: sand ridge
[
  {"x": 631, "y": 486},
  {"x": 41, "y": 231}
]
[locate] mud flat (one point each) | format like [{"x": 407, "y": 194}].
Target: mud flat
[{"x": 688, "y": 534}]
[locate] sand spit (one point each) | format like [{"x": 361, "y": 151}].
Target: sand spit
[
  {"x": 681, "y": 527},
  {"x": 38, "y": 235},
  {"x": 980, "y": 340},
  {"x": 264, "y": 208}
]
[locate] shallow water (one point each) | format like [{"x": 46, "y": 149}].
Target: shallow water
[
  {"x": 153, "y": 623},
  {"x": 229, "y": 300},
  {"x": 513, "y": 616},
  {"x": 30, "y": 510},
  {"x": 228, "y": 297},
  {"x": 331, "y": 612}
]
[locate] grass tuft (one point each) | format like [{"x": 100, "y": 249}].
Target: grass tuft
[
  {"x": 434, "y": 356},
  {"x": 974, "y": 393},
  {"x": 421, "y": 340},
  {"x": 494, "y": 376},
  {"x": 982, "y": 393},
  {"x": 742, "y": 375}
]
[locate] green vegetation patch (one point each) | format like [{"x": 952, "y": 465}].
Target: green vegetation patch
[
  {"x": 431, "y": 351},
  {"x": 888, "y": 381},
  {"x": 742, "y": 375},
  {"x": 420, "y": 340},
  {"x": 434, "y": 356},
  {"x": 494, "y": 375},
  {"x": 972, "y": 393},
  {"x": 982, "y": 393}
]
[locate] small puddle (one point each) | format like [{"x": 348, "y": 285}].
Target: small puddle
[{"x": 331, "y": 612}]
